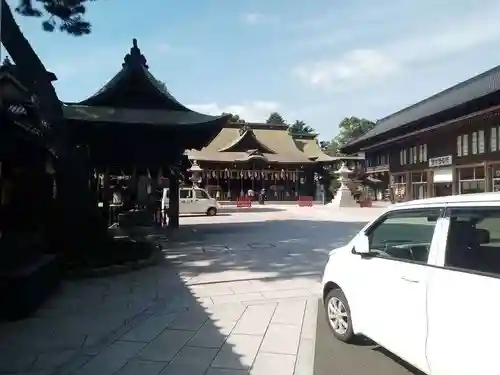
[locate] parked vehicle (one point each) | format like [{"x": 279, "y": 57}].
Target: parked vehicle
[
  {"x": 423, "y": 281},
  {"x": 192, "y": 201}
]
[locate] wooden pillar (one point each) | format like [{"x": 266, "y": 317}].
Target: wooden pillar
[
  {"x": 106, "y": 194},
  {"x": 487, "y": 177},
  {"x": 173, "y": 208},
  {"x": 455, "y": 182},
  {"x": 408, "y": 189},
  {"x": 430, "y": 184}
]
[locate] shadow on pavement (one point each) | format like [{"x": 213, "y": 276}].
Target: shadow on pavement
[
  {"x": 156, "y": 320},
  {"x": 273, "y": 248},
  {"x": 333, "y": 357}
]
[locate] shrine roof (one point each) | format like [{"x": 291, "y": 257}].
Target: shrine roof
[
  {"x": 244, "y": 142},
  {"x": 135, "y": 116},
  {"x": 134, "y": 95},
  {"x": 9, "y": 69},
  {"x": 308, "y": 144}
]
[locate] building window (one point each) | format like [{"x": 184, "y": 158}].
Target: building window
[
  {"x": 419, "y": 185},
  {"x": 474, "y": 143},
  {"x": 459, "y": 146},
  {"x": 411, "y": 154},
  {"x": 471, "y": 180},
  {"x": 425, "y": 152},
  {"x": 415, "y": 156},
  {"x": 399, "y": 187},
  {"x": 402, "y": 157},
  {"x": 480, "y": 141},
  {"x": 465, "y": 145},
  {"x": 494, "y": 139}
]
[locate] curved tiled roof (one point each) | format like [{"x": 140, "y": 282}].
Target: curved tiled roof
[
  {"x": 274, "y": 137},
  {"x": 466, "y": 91}
]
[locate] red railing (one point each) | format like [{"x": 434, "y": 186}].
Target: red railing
[
  {"x": 305, "y": 201},
  {"x": 244, "y": 202}
]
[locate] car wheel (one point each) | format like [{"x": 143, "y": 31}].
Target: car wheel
[
  {"x": 212, "y": 211},
  {"x": 338, "y": 315}
]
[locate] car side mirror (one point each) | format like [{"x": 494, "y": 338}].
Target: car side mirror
[{"x": 361, "y": 245}]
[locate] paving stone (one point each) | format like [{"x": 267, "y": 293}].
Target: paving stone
[
  {"x": 225, "y": 371},
  {"x": 305, "y": 358},
  {"x": 282, "y": 339},
  {"x": 289, "y": 312},
  {"x": 241, "y": 297},
  {"x": 310, "y": 317},
  {"x": 226, "y": 312},
  {"x": 213, "y": 334},
  {"x": 210, "y": 290},
  {"x": 287, "y": 293},
  {"x": 271, "y": 364},
  {"x": 111, "y": 359},
  {"x": 165, "y": 347},
  {"x": 147, "y": 330},
  {"x": 191, "y": 320},
  {"x": 190, "y": 360},
  {"x": 238, "y": 352},
  {"x": 138, "y": 367},
  {"x": 255, "y": 319},
  {"x": 54, "y": 358}
]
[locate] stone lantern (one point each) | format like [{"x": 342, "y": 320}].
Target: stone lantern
[
  {"x": 195, "y": 173},
  {"x": 343, "y": 197}
]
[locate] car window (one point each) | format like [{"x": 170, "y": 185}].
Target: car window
[
  {"x": 200, "y": 194},
  {"x": 474, "y": 239},
  {"x": 405, "y": 234},
  {"x": 185, "y": 194}
]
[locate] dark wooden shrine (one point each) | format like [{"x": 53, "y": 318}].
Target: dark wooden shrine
[
  {"x": 28, "y": 272},
  {"x": 133, "y": 127}
]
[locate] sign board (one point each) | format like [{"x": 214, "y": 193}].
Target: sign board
[{"x": 441, "y": 161}]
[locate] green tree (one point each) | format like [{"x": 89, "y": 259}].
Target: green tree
[
  {"x": 276, "y": 119},
  {"x": 351, "y": 128},
  {"x": 64, "y": 15},
  {"x": 300, "y": 127},
  {"x": 329, "y": 147},
  {"x": 234, "y": 118}
]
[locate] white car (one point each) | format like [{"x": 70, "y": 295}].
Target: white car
[
  {"x": 192, "y": 200},
  {"x": 423, "y": 281}
]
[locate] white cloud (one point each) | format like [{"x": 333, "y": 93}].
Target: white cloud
[
  {"x": 259, "y": 19},
  {"x": 353, "y": 68},
  {"x": 366, "y": 66},
  {"x": 255, "y": 111}
]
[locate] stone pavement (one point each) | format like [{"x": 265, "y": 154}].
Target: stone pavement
[{"x": 238, "y": 297}]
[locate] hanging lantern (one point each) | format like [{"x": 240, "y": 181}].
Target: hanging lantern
[
  {"x": 214, "y": 174},
  {"x": 249, "y": 174},
  {"x": 282, "y": 174},
  {"x": 256, "y": 174}
]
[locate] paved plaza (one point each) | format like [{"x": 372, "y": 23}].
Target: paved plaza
[{"x": 237, "y": 295}]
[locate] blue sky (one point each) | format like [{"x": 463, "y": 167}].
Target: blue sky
[{"x": 316, "y": 60}]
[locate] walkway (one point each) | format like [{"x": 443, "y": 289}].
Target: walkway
[{"x": 239, "y": 296}]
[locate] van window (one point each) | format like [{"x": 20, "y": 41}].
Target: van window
[
  {"x": 185, "y": 194},
  {"x": 405, "y": 234},
  {"x": 474, "y": 239},
  {"x": 200, "y": 194}
]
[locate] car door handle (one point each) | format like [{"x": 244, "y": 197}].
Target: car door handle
[{"x": 407, "y": 279}]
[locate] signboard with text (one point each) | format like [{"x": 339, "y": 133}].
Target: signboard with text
[{"x": 441, "y": 161}]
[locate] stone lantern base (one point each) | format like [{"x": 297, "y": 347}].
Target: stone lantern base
[{"x": 343, "y": 198}]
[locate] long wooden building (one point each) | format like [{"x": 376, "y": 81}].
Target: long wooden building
[
  {"x": 253, "y": 156},
  {"x": 446, "y": 144}
]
